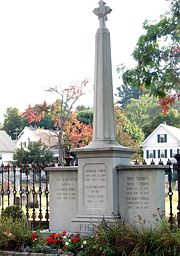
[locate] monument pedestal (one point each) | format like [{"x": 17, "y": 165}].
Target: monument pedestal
[
  {"x": 141, "y": 193},
  {"x": 63, "y": 197},
  {"x": 98, "y": 185}
]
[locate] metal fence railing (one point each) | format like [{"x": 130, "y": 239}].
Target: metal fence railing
[{"x": 26, "y": 186}]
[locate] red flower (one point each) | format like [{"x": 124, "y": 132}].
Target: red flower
[
  {"x": 34, "y": 236},
  {"x": 75, "y": 239},
  {"x": 50, "y": 240},
  {"x": 53, "y": 239},
  {"x": 64, "y": 233},
  {"x": 37, "y": 119}
]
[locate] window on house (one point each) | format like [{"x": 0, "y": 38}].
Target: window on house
[
  {"x": 162, "y": 153},
  {"x": 174, "y": 152},
  {"x": 150, "y": 153},
  {"x": 161, "y": 138}
]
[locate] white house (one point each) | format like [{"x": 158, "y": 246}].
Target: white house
[
  {"x": 47, "y": 137},
  {"x": 7, "y": 148},
  {"x": 162, "y": 144}
]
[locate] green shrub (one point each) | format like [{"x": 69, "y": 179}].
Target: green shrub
[
  {"x": 13, "y": 212},
  {"x": 14, "y": 230},
  {"x": 13, "y": 234}
]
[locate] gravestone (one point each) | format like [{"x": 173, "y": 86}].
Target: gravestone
[
  {"x": 141, "y": 193},
  {"x": 63, "y": 189}
]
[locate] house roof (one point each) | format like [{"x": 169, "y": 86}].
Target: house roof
[
  {"x": 174, "y": 131},
  {"x": 48, "y": 137},
  {"x": 6, "y": 143}
]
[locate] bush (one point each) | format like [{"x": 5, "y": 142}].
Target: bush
[
  {"x": 13, "y": 212},
  {"x": 14, "y": 234},
  {"x": 113, "y": 239},
  {"x": 14, "y": 230},
  {"x": 124, "y": 240}
]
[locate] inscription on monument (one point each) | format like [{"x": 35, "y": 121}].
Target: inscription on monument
[
  {"x": 85, "y": 227},
  {"x": 137, "y": 193},
  {"x": 67, "y": 187},
  {"x": 95, "y": 179}
]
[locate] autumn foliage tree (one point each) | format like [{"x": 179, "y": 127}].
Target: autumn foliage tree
[
  {"x": 76, "y": 133},
  {"x": 60, "y": 110},
  {"x": 36, "y": 113}
]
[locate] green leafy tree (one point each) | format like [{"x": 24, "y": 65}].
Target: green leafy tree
[
  {"x": 145, "y": 113},
  {"x": 82, "y": 108},
  {"x": 126, "y": 92},
  {"x": 86, "y": 117},
  {"x": 128, "y": 133},
  {"x": 133, "y": 130},
  {"x": 157, "y": 55},
  {"x": 172, "y": 118},
  {"x": 14, "y": 123},
  {"x": 36, "y": 152},
  {"x": 141, "y": 111}
]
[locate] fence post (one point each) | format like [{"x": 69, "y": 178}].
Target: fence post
[
  {"x": 177, "y": 157},
  {"x": 170, "y": 193},
  {"x": 2, "y": 187}
]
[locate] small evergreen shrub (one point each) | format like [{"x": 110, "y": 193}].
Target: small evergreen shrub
[
  {"x": 13, "y": 234},
  {"x": 14, "y": 230},
  {"x": 13, "y": 212}
]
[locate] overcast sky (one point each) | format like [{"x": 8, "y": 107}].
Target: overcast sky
[{"x": 51, "y": 42}]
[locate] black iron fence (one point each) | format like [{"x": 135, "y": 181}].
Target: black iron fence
[
  {"x": 26, "y": 186},
  {"x": 172, "y": 172}
]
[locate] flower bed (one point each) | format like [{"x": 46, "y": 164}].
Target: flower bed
[
  {"x": 111, "y": 239},
  {"x": 61, "y": 243},
  {"x": 39, "y": 243},
  {"x": 16, "y": 237}
]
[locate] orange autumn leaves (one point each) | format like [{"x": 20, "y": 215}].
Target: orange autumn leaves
[
  {"x": 76, "y": 134},
  {"x": 167, "y": 102},
  {"x": 36, "y": 113}
]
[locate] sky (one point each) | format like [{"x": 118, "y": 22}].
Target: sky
[{"x": 46, "y": 43}]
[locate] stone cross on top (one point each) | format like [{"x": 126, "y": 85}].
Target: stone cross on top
[{"x": 102, "y": 12}]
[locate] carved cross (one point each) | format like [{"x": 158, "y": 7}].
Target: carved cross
[{"x": 102, "y": 12}]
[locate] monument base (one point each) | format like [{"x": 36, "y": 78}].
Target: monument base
[
  {"x": 141, "y": 194},
  {"x": 63, "y": 198},
  {"x": 98, "y": 185},
  {"x": 86, "y": 224}
]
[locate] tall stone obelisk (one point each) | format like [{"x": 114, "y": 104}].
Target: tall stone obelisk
[
  {"x": 103, "y": 118},
  {"x": 97, "y": 175}
]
